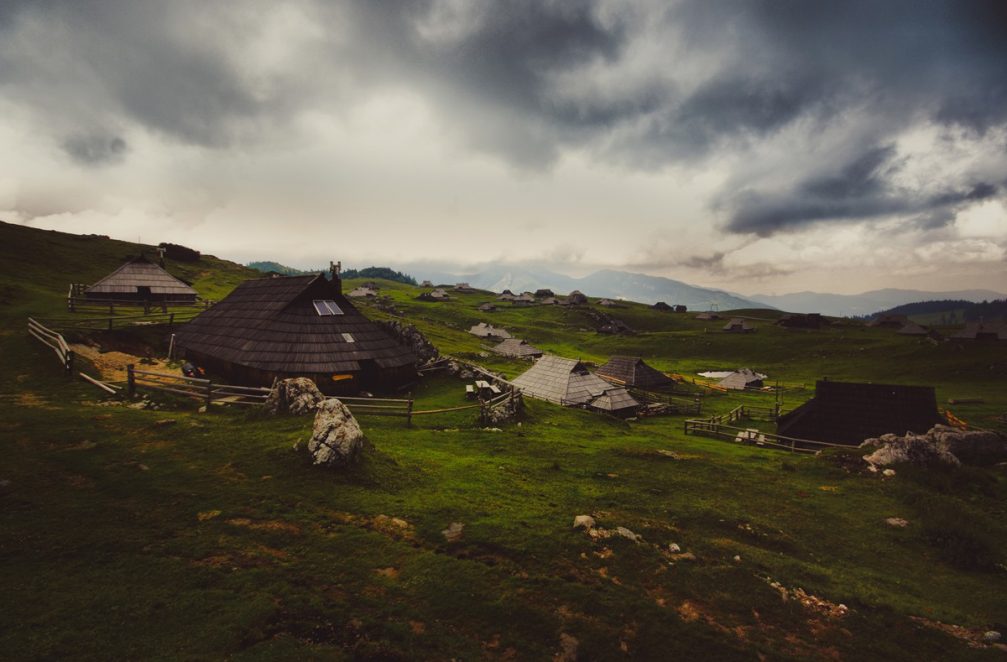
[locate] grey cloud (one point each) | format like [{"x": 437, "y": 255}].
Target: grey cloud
[{"x": 95, "y": 149}]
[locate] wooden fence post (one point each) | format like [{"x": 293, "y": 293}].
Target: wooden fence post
[
  {"x": 209, "y": 395},
  {"x": 130, "y": 381},
  {"x": 171, "y": 323},
  {"x": 409, "y": 412},
  {"x": 69, "y": 362}
]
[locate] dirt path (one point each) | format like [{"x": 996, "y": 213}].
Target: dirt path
[{"x": 112, "y": 365}]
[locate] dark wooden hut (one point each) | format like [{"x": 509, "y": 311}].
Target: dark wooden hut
[
  {"x": 982, "y": 331},
  {"x": 296, "y": 326},
  {"x": 141, "y": 281},
  {"x": 889, "y": 321},
  {"x": 849, "y": 412},
  {"x": 660, "y": 305},
  {"x": 632, "y": 371},
  {"x": 802, "y": 321}
]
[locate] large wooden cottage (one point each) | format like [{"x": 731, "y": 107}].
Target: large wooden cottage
[
  {"x": 296, "y": 326},
  {"x": 568, "y": 382},
  {"x": 140, "y": 282},
  {"x": 849, "y": 413}
]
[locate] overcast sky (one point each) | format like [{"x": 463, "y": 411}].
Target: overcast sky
[{"x": 756, "y": 146}]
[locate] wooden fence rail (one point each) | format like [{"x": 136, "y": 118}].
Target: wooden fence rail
[
  {"x": 53, "y": 341},
  {"x": 118, "y": 321},
  {"x": 719, "y": 427}
]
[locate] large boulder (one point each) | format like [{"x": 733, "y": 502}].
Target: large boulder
[
  {"x": 336, "y": 438},
  {"x": 297, "y": 396},
  {"x": 971, "y": 446},
  {"x": 941, "y": 444},
  {"x": 912, "y": 448}
]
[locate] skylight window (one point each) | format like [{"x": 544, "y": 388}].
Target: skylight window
[
  {"x": 348, "y": 337},
  {"x": 325, "y": 307}
]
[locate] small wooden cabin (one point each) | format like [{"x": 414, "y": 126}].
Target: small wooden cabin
[
  {"x": 296, "y": 326},
  {"x": 140, "y": 282},
  {"x": 633, "y": 371}
]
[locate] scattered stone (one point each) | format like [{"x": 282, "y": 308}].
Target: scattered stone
[
  {"x": 583, "y": 521},
  {"x": 897, "y": 522},
  {"x": 454, "y": 532},
  {"x": 888, "y": 473},
  {"x": 143, "y": 467},
  {"x": 567, "y": 649},
  {"x": 295, "y": 396},
  {"x": 164, "y": 422},
  {"x": 674, "y": 548},
  {"x": 336, "y": 438},
  {"x": 390, "y": 573},
  {"x": 628, "y": 535},
  {"x": 737, "y": 558},
  {"x": 207, "y": 515},
  {"x": 685, "y": 556},
  {"x": 991, "y": 637},
  {"x": 202, "y": 410}
]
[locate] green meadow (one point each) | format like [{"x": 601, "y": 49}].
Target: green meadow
[{"x": 175, "y": 534}]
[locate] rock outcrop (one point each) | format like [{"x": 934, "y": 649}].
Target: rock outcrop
[
  {"x": 410, "y": 336},
  {"x": 939, "y": 445},
  {"x": 297, "y": 396},
  {"x": 336, "y": 438}
]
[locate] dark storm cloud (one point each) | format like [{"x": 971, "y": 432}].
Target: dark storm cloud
[
  {"x": 861, "y": 189},
  {"x": 526, "y": 80}
]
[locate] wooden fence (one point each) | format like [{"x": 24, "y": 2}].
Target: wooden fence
[
  {"x": 53, "y": 341},
  {"x": 202, "y": 390},
  {"x": 673, "y": 404},
  {"x": 719, "y": 427},
  {"x": 118, "y": 321}
]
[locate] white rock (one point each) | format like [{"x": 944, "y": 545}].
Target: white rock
[
  {"x": 897, "y": 522},
  {"x": 991, "y": 637},
  {"x": 888, "y": 473},
  {"x": 297, "y": 396},
  {"x": 583, "y": 522},
  {"x": 454, "y": 531},
  {"x": 628, "y": 535},
  {"x": 674, "y": 548},
  {"x": 737, "y": 558},
  {"x": 336, "y": 438}
]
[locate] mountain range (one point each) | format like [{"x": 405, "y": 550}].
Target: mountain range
[
  {"x": 865, "y": 303},
  {"x": 605, "y": 283}
]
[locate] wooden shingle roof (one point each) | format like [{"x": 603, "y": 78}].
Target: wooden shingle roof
[
  {"x": 563, "y": 381},
  {"x": 517, "y": 348},
  {"x": 632, "y": 371},
  {"x": 615, "y": 399},
  {"x": 272, "y": 324},
  {"x": 140, "y": 272},
  {"x": 741, "y": 379}
]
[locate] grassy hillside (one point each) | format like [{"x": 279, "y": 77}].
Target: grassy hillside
[{"x": 173, "y": 534}]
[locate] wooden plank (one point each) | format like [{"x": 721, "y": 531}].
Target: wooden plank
[
  {"x": 99, "y": 384},
  {"x": 191, "y": 380},
  {"x": 190, "y": 394}
]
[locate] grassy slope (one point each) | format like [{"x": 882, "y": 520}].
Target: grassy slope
[{"x": 105, "y": 554}]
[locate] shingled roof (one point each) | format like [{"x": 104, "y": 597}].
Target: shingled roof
[
  {"x": 738, "y": 325},
  {"x": 632, "y": 371},
  {"x": 614, "y": 400},
  {"x": 849, "y": 412},
  {"x": 141, "y": 273},
  {"x": 517, "y": 348},
  {"x": 741, "y": 379},
  {"x": 484, "y": 330},
  {"x": 563, "y": 381},
  {"x": 275, "y": 325}
]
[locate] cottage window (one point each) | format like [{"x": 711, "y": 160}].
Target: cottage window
[
  {"x": 325, "y": 307},
  {"x": 348, "y": 337}
]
